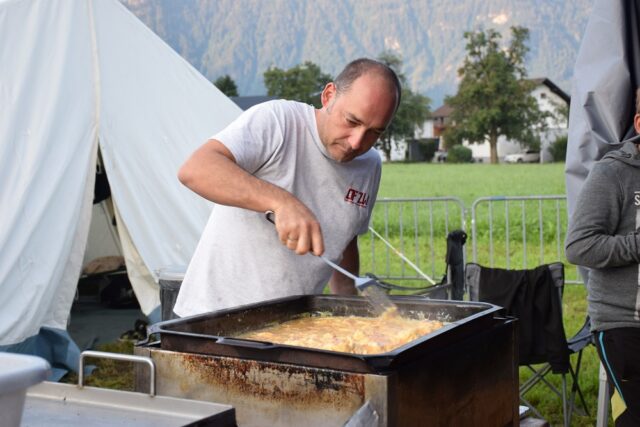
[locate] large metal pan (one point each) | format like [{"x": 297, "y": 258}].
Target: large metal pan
[{"x": 213, "y": 333}]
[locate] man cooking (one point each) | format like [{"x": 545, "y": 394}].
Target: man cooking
[{"x": 313, "y": 168}]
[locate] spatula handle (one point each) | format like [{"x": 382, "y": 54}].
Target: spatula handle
[{"x": 337, "y": 267}]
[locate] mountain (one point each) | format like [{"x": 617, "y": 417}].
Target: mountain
[{"x": 243, "y": 38}]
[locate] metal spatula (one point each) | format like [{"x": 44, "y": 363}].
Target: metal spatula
[{"x": 365, "y": 285}]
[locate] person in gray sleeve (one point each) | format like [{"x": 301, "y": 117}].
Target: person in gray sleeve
[{"x": 604, "y": 236}]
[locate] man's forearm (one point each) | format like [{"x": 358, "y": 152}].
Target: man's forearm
[
  {"x": 339, "y": 283},
  {"x": 212, "y": 173}
]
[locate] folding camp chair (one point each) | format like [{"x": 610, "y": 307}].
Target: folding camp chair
[
  {"x": 535, "y": 297},
  {"x": 452, "y": 284}
]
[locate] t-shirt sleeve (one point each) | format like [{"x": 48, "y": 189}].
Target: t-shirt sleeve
[{"x": 253, "y": 137}]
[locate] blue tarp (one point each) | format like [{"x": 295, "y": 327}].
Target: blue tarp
[{"x": 53, "y": 345}]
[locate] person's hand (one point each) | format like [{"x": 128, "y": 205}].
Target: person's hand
[{"x": 298, "y": 228}]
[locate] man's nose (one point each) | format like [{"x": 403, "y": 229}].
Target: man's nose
[{"x": 357, "y": 139}]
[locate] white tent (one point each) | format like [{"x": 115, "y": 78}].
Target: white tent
[{"x": 74, "y": 76}]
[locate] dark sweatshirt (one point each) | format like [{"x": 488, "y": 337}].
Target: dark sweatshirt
[{"x": 603, "y": 235}]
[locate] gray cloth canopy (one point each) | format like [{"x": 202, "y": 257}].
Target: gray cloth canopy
[{"x": 606, "y": 75}]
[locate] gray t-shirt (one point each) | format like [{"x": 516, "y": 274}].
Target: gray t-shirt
[{"x": 239, "y": 259}]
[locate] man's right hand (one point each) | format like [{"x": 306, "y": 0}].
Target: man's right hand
[{"x": 298, "y": 228}]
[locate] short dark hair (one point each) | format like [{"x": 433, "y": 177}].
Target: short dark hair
[
  {"x": 361, "y": 66},
  {"x": 638, "y": 101}
]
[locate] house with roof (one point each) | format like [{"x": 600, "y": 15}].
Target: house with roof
[{"x": 549, "y": 97}]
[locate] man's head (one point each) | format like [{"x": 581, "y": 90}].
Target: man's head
[{"x": 357, "y": 108}]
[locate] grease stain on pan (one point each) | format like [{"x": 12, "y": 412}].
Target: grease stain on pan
[{"x": 277, "y": 382}]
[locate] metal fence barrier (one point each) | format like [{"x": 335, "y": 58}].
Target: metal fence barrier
[
  {"x": 524, "y": 231},
  {"x": 407, "y": 237}
]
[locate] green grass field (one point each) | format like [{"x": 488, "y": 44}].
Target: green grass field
[{"x": 469, "y": 182}]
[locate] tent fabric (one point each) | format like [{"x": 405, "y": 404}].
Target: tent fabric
[
  {"x": 606, "y": 75},
  {"x": 75, "y": 75},
  {"x": 142, "y": 281},
  {"x": 103, "y": 243}
]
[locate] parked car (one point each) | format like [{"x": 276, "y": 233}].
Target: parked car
[
  {"x": 529, "y": 156},
  {"x": 440, "y": 156}
]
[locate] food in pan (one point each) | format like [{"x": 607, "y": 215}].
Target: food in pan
[{"x": 349, "y": 334}]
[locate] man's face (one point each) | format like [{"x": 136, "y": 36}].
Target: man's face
[{"x": 352, "y": 121}]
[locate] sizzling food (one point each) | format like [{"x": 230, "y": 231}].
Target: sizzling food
[{"x": 349, "y": 334}]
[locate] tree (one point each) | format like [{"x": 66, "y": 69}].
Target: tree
[
  {"x": 494, "y": 96},
  {"x": 226, "y": 85},
  {"x": 560, "y": 112},
  {"x": 558, "y": 149},
  {"x": 302, "y": 83},
  {"x": 459, "y": 154},
  {"x": 412, "y": 111}
]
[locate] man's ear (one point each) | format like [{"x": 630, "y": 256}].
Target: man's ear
[
  {"x": 328, "y": 94},
  {"x": 636, "y": 123}
]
